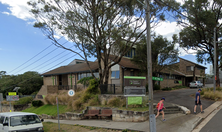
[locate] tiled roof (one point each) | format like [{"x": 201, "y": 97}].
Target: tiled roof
[{"x": 77, "y": 68}]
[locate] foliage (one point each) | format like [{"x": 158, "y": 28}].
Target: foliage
[
  {"x": 114, "y": 102},
  {"x": 93, "y": 87},
  {"x": 156, "y": 87},
  {"x": 47, "y": 109},
  {"x": 37, "y": 103},
  {"x": 24, "y": 100},
  {"x": 173, "y": 88},
  {"x": 97, "y": 28},
  {"x": 28, "y": 82},
  {"x": 198, "y": 32},
  {"x": 85, "y": 81},
  {"x": 163, "y": 54}
]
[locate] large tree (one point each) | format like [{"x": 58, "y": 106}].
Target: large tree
[
  {"x": 164, "y": 54},
  {"x": 199, "y": 19},
  {"x": 28, "y": 82},
  {"x": 97, "y": 28}
]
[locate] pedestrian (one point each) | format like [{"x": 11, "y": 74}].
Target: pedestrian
[
  {"x": 160, "y": 109},
  {"x": 198, "y": 102}
]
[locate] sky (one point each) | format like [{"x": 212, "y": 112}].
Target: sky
[{"x": 24, "y": 48}]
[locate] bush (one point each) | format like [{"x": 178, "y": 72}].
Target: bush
[
  {"x": 51, "y": 99},
  {"x": 24, "y": 100},
  {"x": 156, "y": 87},
  {"x": 37, "y": 103},
  {"x": 114, "y": 102},
  {"x": 85, "y": 97},
  {"x": 94, "y": 101},
  {"x": 76, "y": 104},
  {"x": 93, "y": 87}
]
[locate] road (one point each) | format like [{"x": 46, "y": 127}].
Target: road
[
  {"x": 214, "y": 125},
  {"x": 182, "y": 97}
]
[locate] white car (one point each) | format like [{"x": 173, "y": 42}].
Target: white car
[
  {"x": 196, "y": 84},
  {"x": 20, "y": 121}
]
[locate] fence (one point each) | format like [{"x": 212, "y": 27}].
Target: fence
[
  {"x": 107, "y": 88},
  {"x": 22, "y": 96}
]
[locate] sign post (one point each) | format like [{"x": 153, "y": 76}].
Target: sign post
[
  {"x": 134, "y": 89},
  {"x": 12, "y": 97}
]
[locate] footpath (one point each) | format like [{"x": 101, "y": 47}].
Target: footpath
[{"x": 174, "y": 122}]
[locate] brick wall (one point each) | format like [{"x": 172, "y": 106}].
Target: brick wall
[
  {"x": 168, "y": 83},
  {"x": 52, "y": 89}
]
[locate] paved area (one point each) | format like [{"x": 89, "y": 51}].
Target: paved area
[
  {"x": 182, "y": 97},
  {"x": 173, "y": 123}
]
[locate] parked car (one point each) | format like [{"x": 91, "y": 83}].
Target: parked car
[
  {"x": 196, "y": 84},
  {"x": 20, "y": 121}
]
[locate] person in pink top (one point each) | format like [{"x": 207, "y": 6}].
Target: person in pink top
[{"x": 160, "y": 108}]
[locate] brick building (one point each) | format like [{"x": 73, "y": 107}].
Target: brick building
[{"x": 66, "y": 77}]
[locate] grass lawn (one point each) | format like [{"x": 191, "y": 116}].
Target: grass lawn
[
  {"x": 47, "y": 109},
  {"x": 53, "y": 127}
]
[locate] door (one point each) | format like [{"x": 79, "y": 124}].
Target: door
[
  {"x": 1, "y": 123},
  {"x": 6, "y": 128}
]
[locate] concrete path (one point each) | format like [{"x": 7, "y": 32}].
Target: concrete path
[
  {"x": 211, "y": 119},
  {"x": 174, "y": 123}
]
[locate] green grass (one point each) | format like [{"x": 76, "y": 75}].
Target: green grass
[{"x": 47, "y": 109}]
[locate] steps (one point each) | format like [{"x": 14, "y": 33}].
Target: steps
[{"x": 169, "y": 110}]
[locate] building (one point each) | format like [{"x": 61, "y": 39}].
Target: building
[{"x": 66, "y": 77}]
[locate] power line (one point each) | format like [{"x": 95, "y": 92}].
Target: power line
[
  {"x": 40, "y": 58},
  {"x": 51, "y": 59}
]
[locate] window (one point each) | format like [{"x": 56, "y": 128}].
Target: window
[
  {"x": 176, "y": 81},
  {"x": 24, "y": 120},
  {"x": 115, "y": 74},
  {"x": 131, "y": 73},
  {"x": 2, "y": 119},
  {"x": 190, "y": 68}
]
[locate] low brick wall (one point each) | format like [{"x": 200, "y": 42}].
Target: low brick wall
[{"x": 130, "y": 116}]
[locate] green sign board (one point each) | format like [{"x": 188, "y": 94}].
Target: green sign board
[
  {"x": 135, "y": 100},
  {"x": 157, "y": 78}
]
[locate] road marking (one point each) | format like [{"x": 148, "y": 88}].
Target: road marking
[{"x": 206, "y": 120}]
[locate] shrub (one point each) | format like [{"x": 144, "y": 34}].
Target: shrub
[
  {"x": 76, "y": 105},
  {"x": 51, "y": 99},
  {"x": 24, "y": 100},
  {"x": 156, "y": 87},
  {"x": 85, "y": 97},
  {"x": 85, "y": 81},
  {"x": 93, "y": 87},
  {"x": 114, "y": 102},
  {"x": 94, "y": 101},
  {"x": 37, "y": 103}
]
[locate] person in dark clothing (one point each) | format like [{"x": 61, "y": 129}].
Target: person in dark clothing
[{"x": 198, "y": 102}]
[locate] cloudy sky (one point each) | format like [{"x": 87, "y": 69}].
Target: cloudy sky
[{"x": 24, "y": 48}]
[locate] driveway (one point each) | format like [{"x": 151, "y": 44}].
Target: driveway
[{"x": 182, "y": 97}]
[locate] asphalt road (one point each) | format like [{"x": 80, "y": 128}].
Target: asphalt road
[
  {"x": 214, "y": 125},
  {"x": 182, "y": 97}
]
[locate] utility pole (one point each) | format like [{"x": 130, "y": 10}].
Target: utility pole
[
  {"x": 215, "y": 56},
  {"x": 152, "y": 120}
]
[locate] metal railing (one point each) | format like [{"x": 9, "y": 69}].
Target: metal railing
[{"x": 107, "y": 88}]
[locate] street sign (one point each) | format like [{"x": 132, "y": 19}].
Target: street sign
[
  {"x": 157, "y": 78},
  {"x": 134, "y": 81},
  {"x": 134, "y": 91},
  {"x": 11, "y": 93},
  {"x": 12, "y": 98},
  {"x": 71, "y": 92}
]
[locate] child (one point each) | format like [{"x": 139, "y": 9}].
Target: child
[{"x": 160, "y": 108}]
